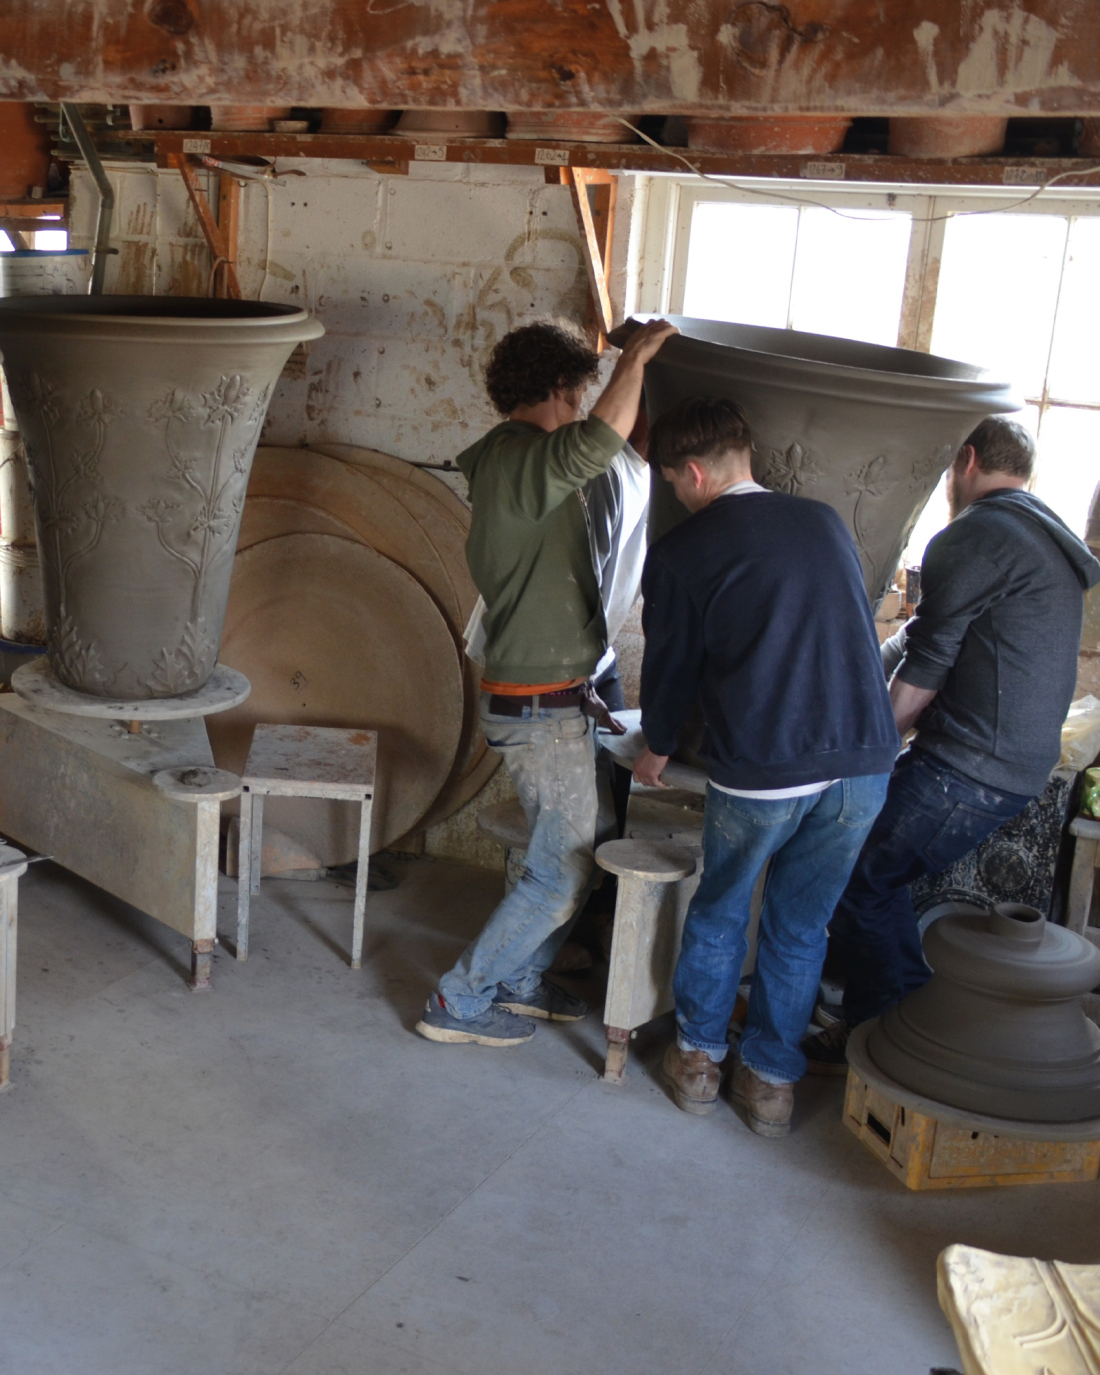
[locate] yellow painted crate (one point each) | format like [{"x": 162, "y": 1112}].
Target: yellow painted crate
[{"x": 928, "y": 1154}]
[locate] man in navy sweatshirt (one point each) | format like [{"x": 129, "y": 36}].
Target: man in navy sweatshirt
[
  {"x": 985, "y": 670},
  {"x": 755, "y": 607}
]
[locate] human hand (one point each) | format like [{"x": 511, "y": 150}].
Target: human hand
[
  {"x": 644, "y": 343},
  {"x": 648, "y": 768},
  {"x": 597, "y": 708}
]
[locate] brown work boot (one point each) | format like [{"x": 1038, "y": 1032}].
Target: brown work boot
[
  {"x": 693, "y": 1077},
  {"x": 768, "y": 1105}
]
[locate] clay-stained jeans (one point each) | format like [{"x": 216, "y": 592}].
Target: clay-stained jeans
[{"x": 550, "y": 759}]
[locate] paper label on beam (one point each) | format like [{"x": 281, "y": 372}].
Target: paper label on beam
[
  {"x": 430, "y": 152},
  {"x": 196, "y": 145},
  {"x": 822, "y": 171},
  {"x": 552, "y": 157},
  {"x": 1021, "y": 176}
]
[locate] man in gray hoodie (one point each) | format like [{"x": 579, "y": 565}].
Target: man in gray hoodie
[{"x": 985, "y": 671}]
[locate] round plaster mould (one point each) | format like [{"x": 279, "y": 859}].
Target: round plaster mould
[
  {"x": 246, "y": 118},
  {"x": 768, "y": 134},
  {"x": 140, "y": 417},
  {"x": 570, "y": 126},
  {"x": 451, "y": 123},
  {"x": 865, "y": 428},
  {"x": 946, "y": 136},
  {"x": 1000, "y": 1027}
]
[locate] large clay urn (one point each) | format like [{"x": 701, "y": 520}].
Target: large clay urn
[
  {"x": 866, "y": 428},
  {"x": 140, "y": 417},
  {"x": 1000, "y": 1028}
]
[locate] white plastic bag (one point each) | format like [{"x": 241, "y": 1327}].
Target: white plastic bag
[{"x": 1081, "y": 734}]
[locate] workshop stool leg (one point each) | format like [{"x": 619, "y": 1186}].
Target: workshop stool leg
[
  {"x": 202, "y": 961},
  {"x": 362, "y": 877},
  {"x": 244, "y": 873},
  {"x": 618, "y": 1046}
]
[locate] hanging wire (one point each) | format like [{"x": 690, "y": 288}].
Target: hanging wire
[{"x": 772, "y": 195}]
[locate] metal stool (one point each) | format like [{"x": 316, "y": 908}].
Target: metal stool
[{"x": 305, "y": 761}]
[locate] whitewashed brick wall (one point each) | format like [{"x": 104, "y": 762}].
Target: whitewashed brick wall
[{"x": 414, "y": 277}]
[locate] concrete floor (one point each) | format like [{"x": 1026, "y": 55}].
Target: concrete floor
[{"x": 281, "y": 1177}]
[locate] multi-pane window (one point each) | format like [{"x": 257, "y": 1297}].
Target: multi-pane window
[{"x": 1016, "y": 290}]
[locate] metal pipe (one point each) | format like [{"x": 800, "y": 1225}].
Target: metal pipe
[{"x": 101, "y": 247}]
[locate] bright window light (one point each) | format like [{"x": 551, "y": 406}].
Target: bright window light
[
  {"x": 849, "y": 273},
  {"x": 51, "y": 240},
  {"x": 997, "y": 293},
  {"x": 739, "y": 263}
]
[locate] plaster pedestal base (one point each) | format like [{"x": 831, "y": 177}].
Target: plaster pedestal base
[{"x": 82, "y": 790}]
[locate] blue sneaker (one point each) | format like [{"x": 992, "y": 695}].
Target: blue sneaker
[
  {"x": 493, "y": 1027},
  {"x": 548, "y": 1001}
]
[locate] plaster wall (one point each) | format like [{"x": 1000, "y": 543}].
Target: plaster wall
[{"x": 415, "y": 278}]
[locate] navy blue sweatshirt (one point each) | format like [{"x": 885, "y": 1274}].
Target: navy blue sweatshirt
[{"x": 756, "y": 607}]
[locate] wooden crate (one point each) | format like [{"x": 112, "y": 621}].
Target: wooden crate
[{"x": 928, "y": 1154}]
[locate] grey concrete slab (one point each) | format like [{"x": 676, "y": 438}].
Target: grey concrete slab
[
  {"x": 624, "y": 1236},
  {"x": 21, "y": 1228},
  {"x": 81, "y": 1302},
  {"x": 280, "y": 1176},
  {"x": 283, "y": 1131},
  {"x": 344, "y": 1350}
]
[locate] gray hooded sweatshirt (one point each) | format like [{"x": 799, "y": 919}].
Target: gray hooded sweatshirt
[{"x": 996, "y": 634}]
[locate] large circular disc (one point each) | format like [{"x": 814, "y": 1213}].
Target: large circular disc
[
  {"x": 400, "y": 467},
  {"x": 331, "y": 633},
  {"x": 353, "y": 497},
  {"x": 445, "y": 519},
  {"x": 266, "y": 518},
  {"x": 298, "y": 490}
]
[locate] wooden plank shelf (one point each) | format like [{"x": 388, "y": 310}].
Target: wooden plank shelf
[{"x": 387, "y": 150}]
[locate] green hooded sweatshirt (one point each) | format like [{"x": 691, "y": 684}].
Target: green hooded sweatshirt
[{"x": 529, "y": 550}]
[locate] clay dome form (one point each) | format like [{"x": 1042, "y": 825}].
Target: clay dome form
[
  {"x": 866, "y": 428},
  {"x": 1000, "y": 1028},
  {"x": 140, "y": 416}
]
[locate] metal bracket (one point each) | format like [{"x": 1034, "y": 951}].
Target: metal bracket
[{"x": 101, "y": 247}]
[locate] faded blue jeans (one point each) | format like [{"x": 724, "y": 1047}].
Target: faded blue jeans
[
  {"x": 550, "y": 757},
  {"x": 812, "y": 843}
]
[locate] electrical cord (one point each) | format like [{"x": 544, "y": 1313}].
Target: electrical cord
[{"x": 845, "y": 215}]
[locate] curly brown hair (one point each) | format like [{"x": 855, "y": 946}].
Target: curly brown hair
[{"x": 534, "y": 360}]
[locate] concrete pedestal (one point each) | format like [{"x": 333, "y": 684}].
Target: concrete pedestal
[{"x": 82, "y": 790}]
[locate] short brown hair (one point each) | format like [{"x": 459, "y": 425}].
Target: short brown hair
[
  {"x": 534, "y": 360},
  {"x": 1003, "y": 446},
  {"x": 702, "y": 428}
]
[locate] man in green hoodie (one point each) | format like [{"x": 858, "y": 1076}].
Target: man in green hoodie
[{"x": 530, "y": 555}]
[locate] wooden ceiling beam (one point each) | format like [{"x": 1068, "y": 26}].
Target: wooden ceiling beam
[{"x": 680, "y": 56}]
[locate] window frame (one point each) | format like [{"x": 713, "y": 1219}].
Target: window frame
[{"x": 670, "y": 203}]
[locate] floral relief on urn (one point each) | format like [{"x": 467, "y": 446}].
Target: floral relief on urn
[{"x": 140, "y": 444}]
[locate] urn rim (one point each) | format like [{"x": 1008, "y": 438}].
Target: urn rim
[
  {"x": 786, "y": 358},
  {"x": 186, "y": 319}
]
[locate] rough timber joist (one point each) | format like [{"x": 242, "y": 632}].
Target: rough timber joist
[{"x": 661, "y": 56}]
